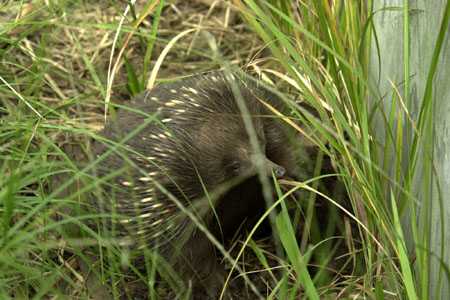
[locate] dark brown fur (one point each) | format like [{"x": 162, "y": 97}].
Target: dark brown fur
[{"x": 198, "y": 144}]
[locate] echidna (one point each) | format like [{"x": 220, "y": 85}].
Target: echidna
[{"x": 184, "y": 146}]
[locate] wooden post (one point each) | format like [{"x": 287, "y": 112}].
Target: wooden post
[{"x": 433, "y": 216}]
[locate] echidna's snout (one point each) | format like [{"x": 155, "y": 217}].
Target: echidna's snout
[
  {"x": 273, "y": 168},
  {"x": 269, "y": 167}
]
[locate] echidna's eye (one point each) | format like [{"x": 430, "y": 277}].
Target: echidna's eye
[{"x": 235, "y": 166}]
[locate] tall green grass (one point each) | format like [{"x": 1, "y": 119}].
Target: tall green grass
[{"x": 325, "y": 48}]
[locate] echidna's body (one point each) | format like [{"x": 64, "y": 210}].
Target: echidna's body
[{"x": 195, "y": 143}]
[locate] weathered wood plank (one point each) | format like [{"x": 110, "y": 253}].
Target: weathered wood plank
[{"x": 425, "y": 20}]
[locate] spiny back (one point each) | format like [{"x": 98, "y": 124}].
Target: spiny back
[{"x": 192, "y": 140}]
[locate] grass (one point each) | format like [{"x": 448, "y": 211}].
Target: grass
[{"x": 63, "y": 65}]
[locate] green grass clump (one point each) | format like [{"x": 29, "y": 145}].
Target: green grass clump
[{"x": 325, "y": 50}]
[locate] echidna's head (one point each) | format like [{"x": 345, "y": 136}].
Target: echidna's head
[{"x": 225, "y": 150}]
